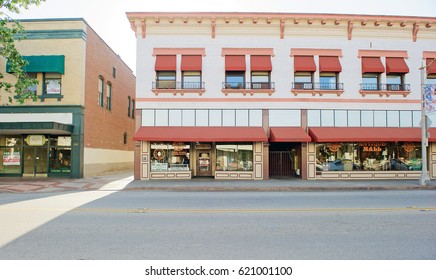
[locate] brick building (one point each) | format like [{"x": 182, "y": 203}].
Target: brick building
[
  {"x": 260, "y": 95},
  {"x": 83, "y": 121}
]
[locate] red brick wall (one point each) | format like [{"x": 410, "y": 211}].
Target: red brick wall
[{"x": 104, "y": 128}]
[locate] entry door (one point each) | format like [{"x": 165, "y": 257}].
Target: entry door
[
  {"x": 35, "y": 161},
  {"x": 204, "y": 166}
]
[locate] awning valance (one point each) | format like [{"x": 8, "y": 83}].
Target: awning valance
[
  {"x": 191, "y": 63},
  {"x": 235, "y": 63},
  {"x": 165, "y": 63},
  {"x": 372, "y": 65},
  {"x": 260, "y": 63},
  {"x": 304, "y": 64},
  {"x": 201, "y": 134},
  {"x": 35, "y": 128},
  {"x": 396, "y": 65},
  {"x": 329, "y": 64},
  {"x": 288, "y": 134},
  {"x": 365, "y": 134},
  {"x": 43, "y": 64}
]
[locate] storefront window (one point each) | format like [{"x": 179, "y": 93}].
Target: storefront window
[
  {"x": 232, "y": 157},
  {"x": 368, "y": 156},
  {"x": 170, "y": 156},
  {"x": 10, "y": 154},
  {"x": 60, "y": 154}
]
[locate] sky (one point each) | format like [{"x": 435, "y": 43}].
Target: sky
[{"x": 108, "y": 17}]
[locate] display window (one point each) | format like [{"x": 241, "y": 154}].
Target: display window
[
  {"x": 170, "y": 156},
  {"x": 10, "y": 154},
  {"x": 234, "y": 157},
  {"x": 368, "y": 156}
]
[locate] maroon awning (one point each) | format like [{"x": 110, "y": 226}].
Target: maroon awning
[
  {"x": 432, "y": 68},
  {"x": 260, "y": 63},
  {"x": 304, "y": 64},
  {"x": 191, "y": 63},
  {"x": 235, "y": 63},
  {"x": 396, "y": 65},
  {"x": 288, "y": 134},
  {"x": 365, "y": 134},
  {"x": 200, "y": 134},
  {"x": 329, "y": 64},
  {"x": 372, "y": 65},
  {"x": 165, "y": 63}
]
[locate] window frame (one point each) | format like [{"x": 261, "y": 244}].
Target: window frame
[
  {"x": 100, "y": 91},
  {"x": 109, "y": 95},
  {"x": 237, "y": 74}
]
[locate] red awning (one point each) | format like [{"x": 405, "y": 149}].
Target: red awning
[
  {"x": 432, "y": 68},
  {"x": 260, "y": 63},
  {"x": 165, "y": 63},
  {"x": 396, "y": 65},
  {"x": 432, "y": 132},
  {"x": 191, "y": 63},
  {"x": 365, "y": 134},
  {"x": 372, "y": 65},
  {"x": 235, "y": 63},
  {"x": 200, "y": 134},
  {"x": 288, "y": 134},
  {"x": 304, "y": 64},
  {"x": 329, "y": 64}
]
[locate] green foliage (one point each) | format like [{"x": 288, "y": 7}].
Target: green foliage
[{"x": 10, "y": 29}]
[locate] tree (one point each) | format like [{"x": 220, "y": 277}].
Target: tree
[{"x": 10, "y": 30}]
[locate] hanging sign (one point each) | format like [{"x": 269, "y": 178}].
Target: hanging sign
[
  {"x": 35, "y": 140},
  {"x": 429, "y": 93}
]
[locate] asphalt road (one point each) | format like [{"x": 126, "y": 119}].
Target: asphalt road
[{"x": 235, "y": 225}]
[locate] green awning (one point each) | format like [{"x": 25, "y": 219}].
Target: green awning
[{"x": 43, "y": 63}]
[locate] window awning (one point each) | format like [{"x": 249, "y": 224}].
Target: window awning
[
  {"x": 329, "y": 64},
  {"x": 42, "y": 64},
  {"x": 191, "y": 63},
  {"x": 200, "y": 134},
  {"x": 396, "y": 65},
  {"x": 165, "y": 63},
  {"x": 235, "y": 63},
  {"x": 260, "y": 63},
  {"x": 288, "y": 134},
  {"x": 372, "y": 65},
  {"x": 432, "y": 68},
  {"x": 304, "y": 64},
  {"x": 365, "y": 134}
]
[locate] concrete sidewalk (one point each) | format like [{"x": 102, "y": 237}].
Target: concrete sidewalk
[{"x": 25, "y": 185}]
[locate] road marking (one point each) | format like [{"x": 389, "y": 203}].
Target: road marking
[
  {"x": 302, "y": 210},
  {"x": 19, "y": 218}
]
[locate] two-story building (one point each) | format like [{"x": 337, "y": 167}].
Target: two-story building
[
  {"x": 84, "y": 118},
  {"x": 260, "y": 95}
]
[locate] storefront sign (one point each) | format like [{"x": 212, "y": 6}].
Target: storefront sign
[
  {"x": 64, "y": 141},
  {"x": 159, "y": 154},
  {"x": 203, "y": 146},
  {"x": 35, "y": 140},
  {"x": 178, "y": 146},
  {"x": 372, "y": 146},
  {"x": 334, "y": 147},
  {"x": 11, "y": 158}
]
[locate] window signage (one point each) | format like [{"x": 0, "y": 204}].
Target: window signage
[
  {"x": 203, "y": 146},
  {"x": 35, "y": 140},
  {"x": 11, "y": 158},
  {"x": 334, "y": 147},
  {"x": 372, "y": 146}
]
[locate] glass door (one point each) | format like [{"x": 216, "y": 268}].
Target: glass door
[
  {"x": 35, "y": 161},
  {"x": 204, "y": 163}
]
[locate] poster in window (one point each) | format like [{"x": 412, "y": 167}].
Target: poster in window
[
  {"x": 11, "y": 158},
  {"x": 53, "y": 86}
]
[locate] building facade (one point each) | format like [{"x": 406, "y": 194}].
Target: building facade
[
  {"x": 83, "y": 120},
  {"x": 260, "y": 95}
]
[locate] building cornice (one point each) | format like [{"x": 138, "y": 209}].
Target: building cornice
[{"x": 140, "y": 20}]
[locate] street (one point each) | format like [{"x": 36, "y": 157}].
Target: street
[{"x": 114, "y": 224}]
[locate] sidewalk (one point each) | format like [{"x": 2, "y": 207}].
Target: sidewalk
[{"x": 25, "y": 185}]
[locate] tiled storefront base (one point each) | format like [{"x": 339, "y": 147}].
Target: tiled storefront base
[{"x": 369, "y": 175}]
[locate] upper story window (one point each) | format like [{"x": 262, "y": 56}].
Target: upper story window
[
  {"x": 261, "y": 67},
  {"x": 191, "y": 67},
  {"x": 260, "y": 79},
  {"x": 52, "y": 83},
  {"x": 304, "y": 67},
  {"x": 431, "y": 80},
  {"x": 431, "y": 71},
  {"x": 370, "y": 81},
  {"x": 114, "y": 72},
  {"x": 165, "y": 79},
  {"x": 372, "y": 68},
  {"x": 100, "y": 91},
  {"x": 303, "y": 80},
  {"x": 129, "y": 105},
  {"x": 32, "y": 88},
  {"x": 191, "y": 79},
  {"x": 109, "y": 96},
  {"x": 328, "y": 81},
  {"x": 396, "y": 70},
  {"x": 235, "y": 71},
  {"x": 133, "y": 108}
]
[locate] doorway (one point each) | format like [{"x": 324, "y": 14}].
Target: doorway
[
  {"x": 35, "y": 161},
  {"x": 204, "y": 166}
]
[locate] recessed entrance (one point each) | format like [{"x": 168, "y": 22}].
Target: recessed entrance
[
  {"x": 35, "y": 162},
  {"x": 204, "y": 166}
]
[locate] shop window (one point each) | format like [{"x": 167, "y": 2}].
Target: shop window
[
  {"x": 52, "y": 83},
  {"x": 170, "y": 157},
  {"x": 303, "y": 80},
  {"x": 100, "y": 91},
  {"x": 328, "y": 81},
  {"x": 191, "y": 79},
  {"x": 234, "y": 157},
  {"x": 165, "y": 79},
  {"x": 109, "y": 96},
  {"x": 10, "y": 155},
  {"x": 60, "y": 154},
  {"x": 235, "y": 79},
  {"x": 370, "y": 81},
  {"x": 260, "y": 80},
  {"x": 368, "y": 156}
]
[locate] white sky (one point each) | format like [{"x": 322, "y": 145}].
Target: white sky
[{"x": 108, "y": 17}]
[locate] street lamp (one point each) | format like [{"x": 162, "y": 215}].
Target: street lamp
[{"x": 424, "y": 179}]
